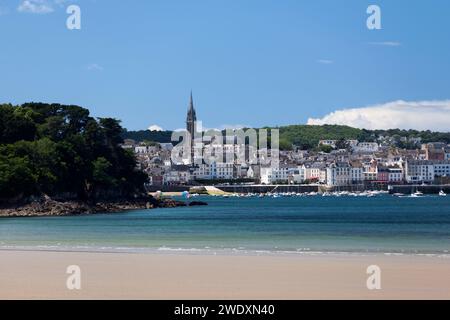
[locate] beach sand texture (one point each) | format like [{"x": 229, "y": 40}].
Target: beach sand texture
[{"x": 42, "y": 275}]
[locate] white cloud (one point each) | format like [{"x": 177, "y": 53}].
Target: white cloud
[
  {"x": 36, "y": 6},
  {"x": 386, "y": 43},
  {"x": 325, "y": 61},
  {"x": 155, "y": 128},
  {"x": 419, "y": 115},
  {"x": 94, "y": 67}
]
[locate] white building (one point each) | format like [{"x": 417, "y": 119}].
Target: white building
[
  {"x": 370, "y": 170},
  {"x": 177, "y": 174},
  {"x": 141, "y": 150},
  {"x": 223, "y": 170},
  {"x": 254, "y": 172},
  {"x": 395, "y": 174},
  {"x": 442, "y": 168},
  {"x": 281, "y": 174},
  {"x": 418, "y": 171},
  {"x": 215, "y": 170},
  {"x": 357, "y": 174},
  {"x": 343, "y": 174},
  {"x": 331, "y": 143},
  {"x": 323, "y": 175},
  {"x": 314, "y": 171},
  {"x": 366, "y": 147}
]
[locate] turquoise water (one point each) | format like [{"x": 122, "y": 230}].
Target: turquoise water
[{"x": 299, "y": 224}]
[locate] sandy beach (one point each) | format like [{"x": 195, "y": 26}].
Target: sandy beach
[{"x": 42, "y": 275}]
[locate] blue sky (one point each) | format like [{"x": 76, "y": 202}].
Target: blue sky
[{"x": 248, "y": 62}]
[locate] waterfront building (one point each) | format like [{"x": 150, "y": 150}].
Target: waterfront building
[
  {"x": 344, "y": 174},
  {"x": 254, "y": 172},
  {"x": 442, "y": 168},
  {"x": 370, "y": 170},
  {"x": 215, "y": 171},
  {"x": 313, "y": 171},
  {"x": 395, "y": 174},
  {"x": 356, "y": 172},
  {"x": 323, "y": 174},
  {"x": 224, "y": 170},
  {"x": 383, "y": 174},
  {"x": 177, "y": 175},
  {"x": 418, "y": 171},
  {"x": 284, "y": 173},
  {"x": 339, "y": 174}
]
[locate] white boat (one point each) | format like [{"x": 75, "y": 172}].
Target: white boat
[
  {"x": 417, "y": 194},
  {"x": 442, "y": 193}
]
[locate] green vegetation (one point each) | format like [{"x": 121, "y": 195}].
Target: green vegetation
[
  {"x": 56, "y": 149},
  {"x": 147, "y": 135},
  {"x": 324, "y": 148},
  {"x": 307, "y": 137}
]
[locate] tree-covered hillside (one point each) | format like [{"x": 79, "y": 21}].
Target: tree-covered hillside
[
  {"x": 60, "y": 149},
  {"x": 147, "y": 135},
  {"x": 308, "y": 137}
]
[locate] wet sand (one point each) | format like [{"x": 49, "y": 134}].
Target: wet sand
[{"x": 42, "y": 275}]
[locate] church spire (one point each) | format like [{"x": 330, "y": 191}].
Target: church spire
[
  {"x": 191, "y": 102},
  {"x": 191, "y": 125},
  {"x": 191, "y": 116}
]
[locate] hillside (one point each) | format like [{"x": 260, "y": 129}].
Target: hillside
[
  {"x": 147, "y": 135},
  {"x": 307, "y": 137}
]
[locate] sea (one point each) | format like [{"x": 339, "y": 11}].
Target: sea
[{"x": 383, "y": 224}]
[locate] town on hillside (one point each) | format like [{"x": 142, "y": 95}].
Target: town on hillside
[{"x": 333, "y": 164}]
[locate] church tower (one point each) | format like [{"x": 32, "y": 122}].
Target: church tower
[{"x": 191, "y": 125}]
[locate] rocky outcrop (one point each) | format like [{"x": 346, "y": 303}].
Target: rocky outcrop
[{"x": 46, "y": 206}]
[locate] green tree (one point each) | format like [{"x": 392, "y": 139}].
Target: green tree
[{"x": 55, "y": 149}]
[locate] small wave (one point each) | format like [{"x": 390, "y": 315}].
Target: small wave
[{"x": 215, "y": 251}]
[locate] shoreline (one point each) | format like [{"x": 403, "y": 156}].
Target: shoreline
[
  {"x": 224, "y": 252},
  {"x": 47, "y": 207},
  {"x": 42, "y": 275}
]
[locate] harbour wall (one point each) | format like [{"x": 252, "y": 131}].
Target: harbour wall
[
  {"x": 428, "y": 189},
  {"x": 268, "y": 188}
]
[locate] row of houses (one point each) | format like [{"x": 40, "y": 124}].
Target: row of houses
[
  {"x": 353, "y": 145},
  {"x": 345, "y": 173},
  {"x": 337, "y": 168}
]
